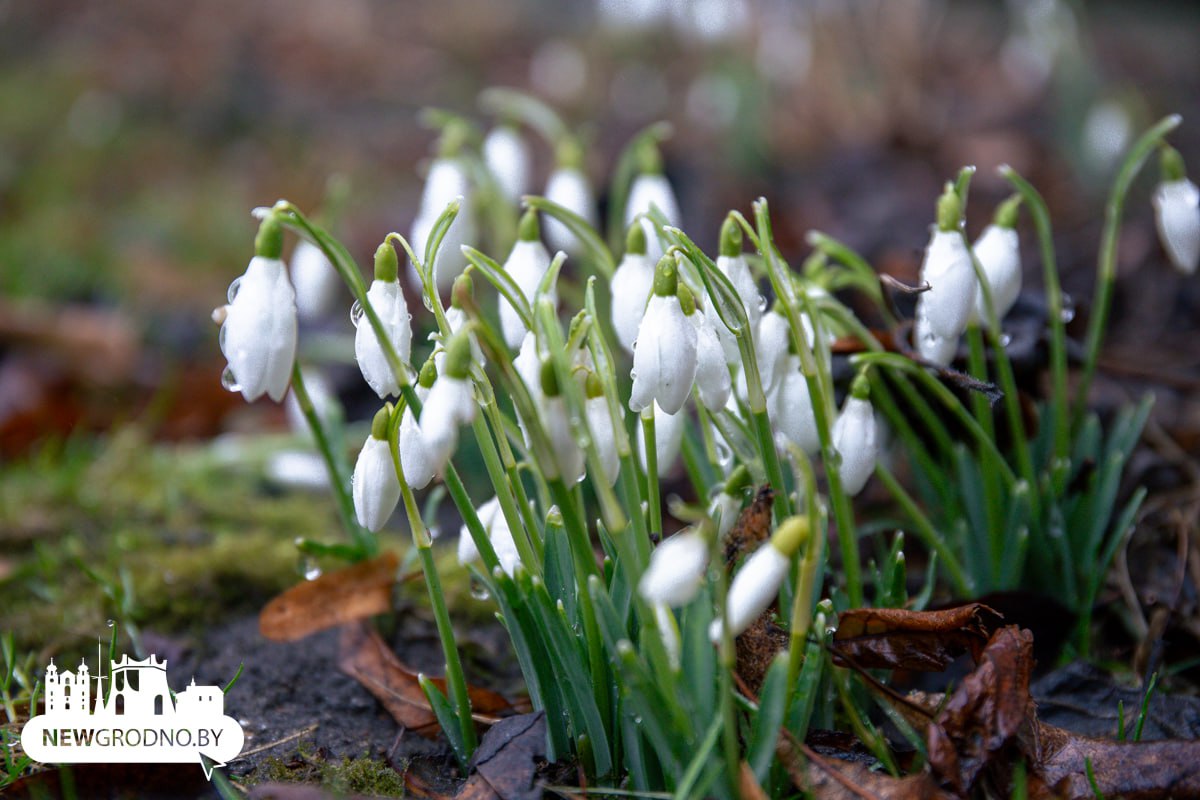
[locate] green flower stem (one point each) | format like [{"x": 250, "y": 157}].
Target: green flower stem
[
  {"x": 1058, "y": 336},
  {"x": 512, "y": 472},
  {"x": 992, "y": 500},
  {"x": 864, "y": 275},
  {"x": 523, "y": 538},
  {"x": 807, "y": 583},
  {"x": 456, "y": 682},
  {"x": 364, "y": 542},
  {"x": 651, "y": 450},
  {"x": 727, "y": 660},
  {"x": 963, "y": 585},
  {"x": 1107, "y": 268}
]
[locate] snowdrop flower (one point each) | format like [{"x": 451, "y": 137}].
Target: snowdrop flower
[
  {"x": 315, "y": 280},
  {"x": 258, "y": 330},
  {"x": 943, "y": 310},
  {"x": 713, "y": 384},
  {"x": 1177, "y": 213},
  {"x": 448, "y": 181},
  {"x": 526, "y": 265},
  {"x": 569, "y": 187},
  {"x": 855, "y": 437},
  {"x": 450, "y": 403},
  {"x": 726, "y": 507},
  {"x": 500, "y": 535},
  {"x": 999, "y": 255},
  {"x": 664, "y": 355},
  {"x": 651, "y": 189},
  {"x": 676, "y": 570},
  {"x": 567, "y": 452},
  {"x": 790, "y": 410},
  {"x": 376, "y": 488},
  {"x": 600, "y": 424},
  {"x": 507, "y": 157},
  {"x": 668, "y": 629},
  {"x": 387, "y": 298},
  {"x": 733, "y": 266},
  {"x": 630, "y": 287},
  {"x": 668, "y": 439},
  {"x": 757, "y": 582},
  {"x": 415, "y": 461},
  {"x": 772, "y": 339}
]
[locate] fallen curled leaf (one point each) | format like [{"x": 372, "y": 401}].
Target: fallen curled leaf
[
  {"x": 505, "y": 765},
  {"x": 753, "y": 526},
  {"x": 985, "y": 713},
  {"x": 364, "y": 656},
  {"x": 355, "y": 592},
  {"x": 923, "y": 641},
  {"x": 834, "y": 779}
]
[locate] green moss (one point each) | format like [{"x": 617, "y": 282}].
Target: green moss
[{"x": 361, "y": 775}]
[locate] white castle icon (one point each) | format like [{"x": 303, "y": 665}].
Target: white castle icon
[{"x": 139, "y": 688}]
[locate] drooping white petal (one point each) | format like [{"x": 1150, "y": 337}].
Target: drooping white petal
[
  {"x": 950, "y": 299},
  {"x": 668, "y": 439},
  {"x": 631, "y": 285},
  {"x": 447, "y": 180},
  {"x": 375, "y": 487},
  {"x": 676, "y": 570},
  {"x": 387, "y": 298},
  {"x": 713, "y": 383},
  {"x": 856, "y": 441},
  {"x": 449, "y": 405},
  {"x": 526, "y": 265},
  {"x": 499, "y": 534},
  {"x": 930, "y": 346},
  {"x": 651, "y": 189},
  {"x": 315, "y": 281},
  {"x": 418, "y": 468},
  {"x": 791, "y": 412},
  {"x": 753, "y": 589},
  {"x": 567, "y": 451},
  {"x": 258, "y": 336},
  {"x": 569, "y": 188},
  {"x": 771, "y": 348},
  {"x": 725, "y": 509},
  {"x": 600, "y": 423},
  {"x": 664, "y": 357},
  {"x": 738, "y": 271},
  {"x": 1177, "y": 216},
  {"x": 668, "y": 629},
  {"x": 999, "y": 254},
  {"x": 506, "y": 155}
]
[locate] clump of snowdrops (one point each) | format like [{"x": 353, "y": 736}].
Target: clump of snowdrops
[{"x": 587, "y": 371}]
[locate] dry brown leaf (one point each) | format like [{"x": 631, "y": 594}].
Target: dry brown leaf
[
  {"x": 752, "y": 527},
  {"x": 505, "y": 765},
  {"x": 353, "y": 593},
  {"x": 897, "y": 638},
  {"x": 833, "y": 779},
  {"x": 365, "y": 657}
]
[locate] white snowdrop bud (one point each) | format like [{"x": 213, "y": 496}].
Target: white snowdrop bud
[
  {"x": 315, "y": 281},
  {"x": 557, "y": 421},
  {"x": 499, "y": 534},
  {"x": 713, "y": 384},
  {"x": 1177, "y": 213},
  {"x": 999, "y": 254},
  {"x": 569, "y": 187},
  {"x": 757, "y": 582},
  {"x": 947, "y": 268},
  {"x": 930, "y": 346},
  {"x": 448, "y": 180},
  {"x": 387, "y": 298},
  {"x": 664, "y": 355},
  {"x": 651, "y": 189},
  {"x": 450, "y": 403},
  {"x": 855, "y": 438},
  {"x": 664, "y": 620},
  {"x": 630, "y": 287},
  {"x": 772, "y": 339},
  {"x": 507, "y": 158},
  {"x": 676, "y": 570},
  {"x": 415, "y": 463},
  {"x": 375, "y": 487},
  {"x": 791, "y": 412},
  {"x": 727, "y": 505},
  {"x": 600, "y": 423},
  {"x": 258, "y": 334},
  {"x": 526, "y": 265}
]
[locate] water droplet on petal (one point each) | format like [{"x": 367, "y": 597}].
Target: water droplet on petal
[
  {"x": 311, "y": 571},
  {"x": 1068, "y": 308},
  {"x": 221, "y": 338},
  {"x": 479, "y": 590},
  {"x": 111, "y": 623},
  {"x": 1005, "y": 340},
  {"x": 229, "y": 381},
  {"x": 233, "y": 288},
  {"x": 762, "y": 303},
  {"x": 427, "y": 301},
  {"x": 356, "y": 312}
]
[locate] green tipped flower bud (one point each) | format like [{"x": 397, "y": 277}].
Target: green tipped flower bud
[
  {"x": 949, "y": 209},
  {"x": 593, "y": 387},
  {"x": 635, "y": 240},
  {"x": 860, "y": 388},
  {"x": 1006, "y": 213},
  {"x": 738, "y": 480},
  {"x": 568, "y": 154},
  {"x": 454, "y": 138},
  {"x": 428, "y": 374},
  {"x": 731, "y": 238},
  {"x": 463, "y": 290},
  {"x": 549, "y": 379},
  {"x": 666, "y": 278},
  {"x": 379, "y": 425},
  {"x": 1170, "y": 163},
  {"x": 268, "y": 242},
  {"x": 791, "y": 535},
  {"x": 528, "y": 230},
  {"x": 387, "y": 264},
  {"x": 458, "y": 356},
  {"x": 650, "y": 160}
]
